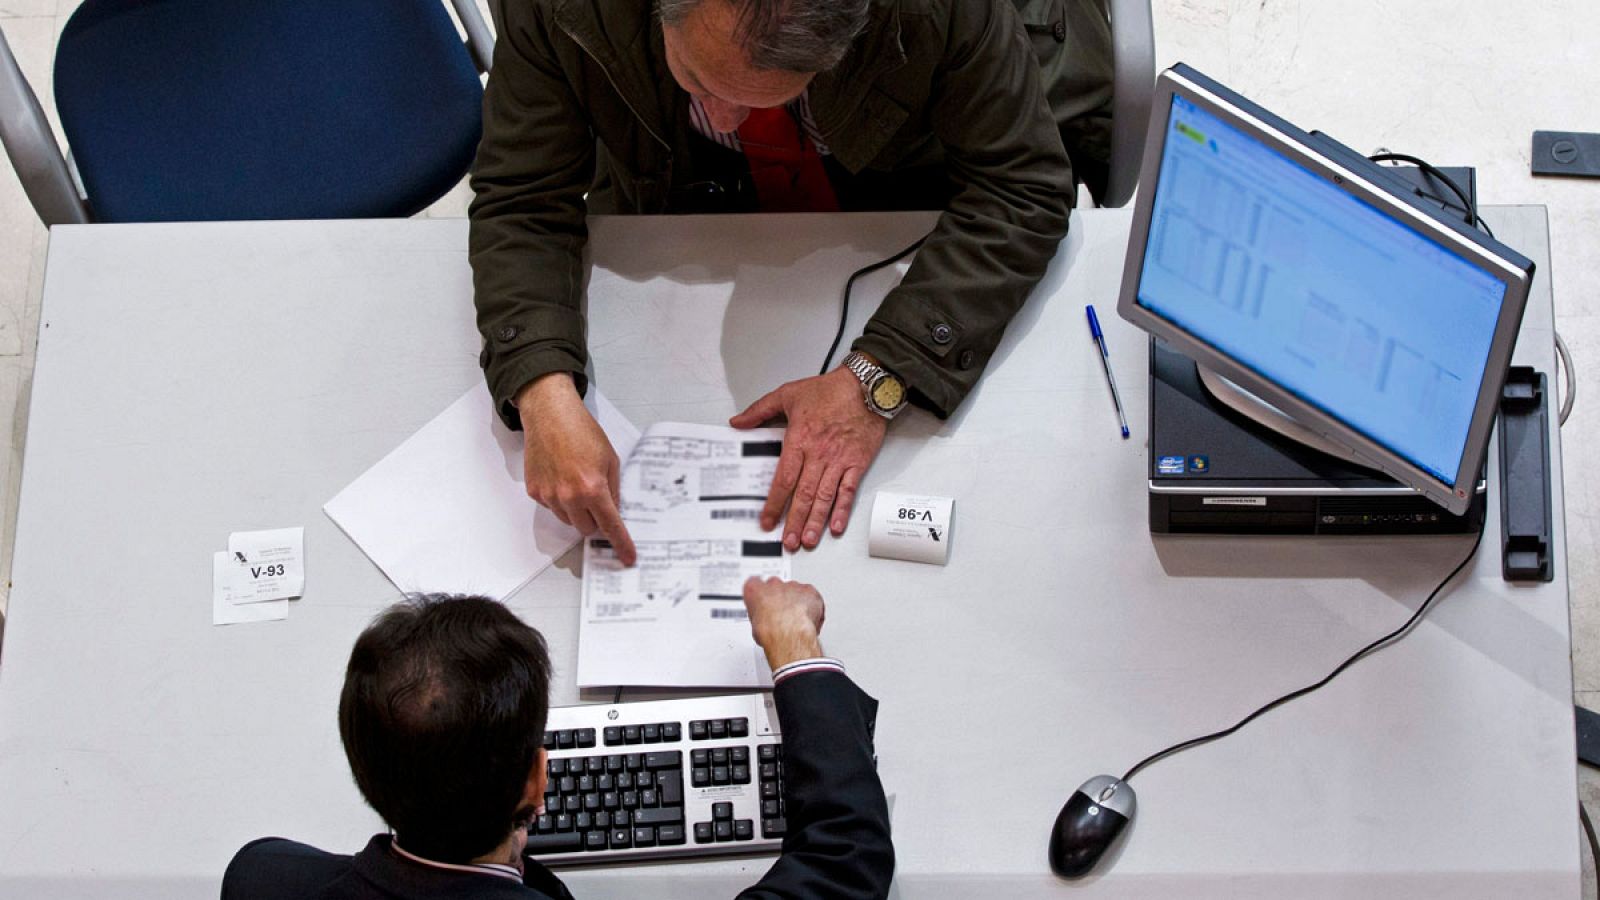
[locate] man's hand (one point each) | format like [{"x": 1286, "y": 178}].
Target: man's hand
[
  {"x": 567, "y": 461},
  {"x": 831, "y": 441},
  {"x": 785, "y": 617}
]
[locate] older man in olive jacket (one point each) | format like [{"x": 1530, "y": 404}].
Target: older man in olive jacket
[{"x": 744, "y": 105}]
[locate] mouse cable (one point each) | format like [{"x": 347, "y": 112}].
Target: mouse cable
[
  {"x": 1472, "y": 217},
  {"x": 844, "y": 308},
  {"x": 1369, "y": 649}
]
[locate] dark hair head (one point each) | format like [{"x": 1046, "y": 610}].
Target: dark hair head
[
  {"x": 787, "y": 35},
  {"x": 442, "y": 717}
]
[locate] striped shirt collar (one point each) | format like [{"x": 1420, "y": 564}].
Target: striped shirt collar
[
  {"x": 800, "y": 107},
  {"x": 496, "y": 869}
]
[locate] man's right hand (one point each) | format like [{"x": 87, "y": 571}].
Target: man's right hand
[
  {"x": 785, "y": 617},
  {"x": 567, "y": 461}
]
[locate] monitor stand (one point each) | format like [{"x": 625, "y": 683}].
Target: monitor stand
[{"x": 1268, "y": 416}]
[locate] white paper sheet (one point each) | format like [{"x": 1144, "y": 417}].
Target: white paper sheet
[
  {"x": 692, "y": 498},
  {"x": 447, "y": 509},
  {"x": 275, "y": 561}
]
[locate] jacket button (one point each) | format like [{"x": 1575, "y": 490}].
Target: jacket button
[
  {"x": 967, "y": 358},
  {"x": 506, "y": 332},
  {"x": 1060, "y": 32},
  {"x": 942, "y": 333}
]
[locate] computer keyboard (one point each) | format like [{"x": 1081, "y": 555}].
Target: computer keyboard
[{"x": 661, "y": 778}]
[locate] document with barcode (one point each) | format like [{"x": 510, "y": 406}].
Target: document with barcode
[{"x": 692, "y": 498}]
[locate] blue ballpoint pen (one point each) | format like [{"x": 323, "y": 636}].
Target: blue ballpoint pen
[{"x": 1105, "y": 363}]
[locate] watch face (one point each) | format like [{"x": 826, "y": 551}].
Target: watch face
[{"x": 888, "y": 393}]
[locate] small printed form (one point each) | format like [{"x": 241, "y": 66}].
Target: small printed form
[{"x": 692, "y": 498}]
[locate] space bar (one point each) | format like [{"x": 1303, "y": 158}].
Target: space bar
[{"x": 559, "y": 842}]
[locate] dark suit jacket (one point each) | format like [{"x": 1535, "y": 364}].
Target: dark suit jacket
[{"x": 837, "y": 847}]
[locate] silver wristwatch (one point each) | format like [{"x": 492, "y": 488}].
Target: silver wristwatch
[{"x": 883, "y": 390}]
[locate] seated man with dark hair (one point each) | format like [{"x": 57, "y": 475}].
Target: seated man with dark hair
[{"x": 443, "y": 714}]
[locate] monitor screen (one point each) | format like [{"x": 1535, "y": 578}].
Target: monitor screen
[{"x": 1341, "y": 304}]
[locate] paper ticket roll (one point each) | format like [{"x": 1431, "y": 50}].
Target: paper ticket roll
[{"x": 912, "y": 527}]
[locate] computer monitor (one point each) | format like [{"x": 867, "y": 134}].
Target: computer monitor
[{"x": 1313, "y": 279}]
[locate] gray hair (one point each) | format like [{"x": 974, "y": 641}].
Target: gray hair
[{"x": 787, "y": 35}]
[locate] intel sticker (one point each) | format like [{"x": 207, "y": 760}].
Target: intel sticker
[{"x": 1170, "y": 465}]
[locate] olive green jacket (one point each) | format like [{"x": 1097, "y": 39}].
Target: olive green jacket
[{"x": 580, "y": 97}]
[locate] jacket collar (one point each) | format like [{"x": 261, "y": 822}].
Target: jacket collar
[{"x": 625, "y": 41}]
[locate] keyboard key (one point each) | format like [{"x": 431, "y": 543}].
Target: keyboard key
[
  {"x": 621, "y": 818},
  {"x": 583, "y": 821},
  {"x": 569, "y": 784},
  {"x": 606, "y": 782},
  {"x": 703, "y": 833},
  {"x": 614, "y": 764},
  {"x": 668, "y": 835},
  {"x": 651, "y": 734},
  {"x": 744, "y": 830},
  {"x": 597, "y": 764},
  {"x": 591, "y": 802},
  {"x": 611, "y": 800},
  {"x": 645, "y": 779},
  {"x": 767, "y": 753},
  {"x": 630, "y": 799},
  {"x": 700, "y": 776},
  {"x": 719, "y": 756},
  {"x": 584, "y": 737},
  {"x": 559, "y": 842},
  {"x": 717, "y": 729},
  {"x": 557, "y": 768},
  {"x": 544, "y": 824},
  {"x": 740, "y": 774},
  {"x": 594, "y": 840},
  {"x": 624, "y": 782},
  {"x": 719, "y": 775},
  {"x": 769, "y": 809},
  {"x": 665, "y": 815},
  {"x": 633, "y": 762},
  {"x": 739, "y": 727},
  {"x": 564, "y": 739},
  {"x": 697, "y": 730},
  {"x": 664, "y": 759},
  {"x": 586, "y": 784},
  {"x": 613, "y": 736},
  {"x": 769, "y": 771},
  {"x": 739, "y": 755},
  {"x": 648, "y": 799},
  {"x": 722, "y": 811},
  {"x": 769, "y": 790},
  {"x": 550, "y": 740},
  {"x": 669, "y": 785},
  {"x": 724, "y": 830},
  {"x": 700, "y": 757},
  {"x": 774, "y": 828},
  {"x": 671, "y": 731},
  {"x": 602, "y": 820},
  {"x": 630, "y": 734},
  {"x": 644, "y": 837},
  {"x": 564, "y": 822},
  {"x": 621, "y": 838}
]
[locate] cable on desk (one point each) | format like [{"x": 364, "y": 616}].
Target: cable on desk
[
  {"x": 1564, "y": 356},
  {"x": 844, "y": 308},
  {"x": 1430, "y": 169},
  {"x": 618, "y": 698},
  {"x": 1369, "y": 649}
]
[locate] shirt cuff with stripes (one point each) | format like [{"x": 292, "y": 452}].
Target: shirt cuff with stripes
[{"x": 800, "y": 666}]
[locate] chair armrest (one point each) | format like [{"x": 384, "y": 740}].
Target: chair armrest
[
  {"x": 480, "y": 40},
  {"x": 1133, "y": 88},
  {"x": 26, "y": 134}
]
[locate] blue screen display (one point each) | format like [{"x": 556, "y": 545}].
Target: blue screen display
[{"x": 1317, "y": 291}]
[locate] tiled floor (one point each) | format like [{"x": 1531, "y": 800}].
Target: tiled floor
[{"x": 1455, "y": 81}]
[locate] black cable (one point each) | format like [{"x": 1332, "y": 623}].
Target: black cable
[
  {"x": 1588, "y": 831},
  {"x": 618, "y": 698},
  {"x": 1472, "y": 217},
  {"x": 1359, "y": 654},
  {"x": 844, "y": 309}
]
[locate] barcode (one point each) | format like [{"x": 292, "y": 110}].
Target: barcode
[
  {"x": 729, "y": 614},
  {"x": 736, "y": 514}
]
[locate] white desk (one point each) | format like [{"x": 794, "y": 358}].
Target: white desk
[{"x": 194, "y": 380}]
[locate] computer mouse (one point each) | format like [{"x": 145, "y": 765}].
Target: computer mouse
[{"x": 1093, "y": 817}]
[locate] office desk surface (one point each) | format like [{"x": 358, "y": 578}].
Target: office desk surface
[{"x": 199, "y": 379}]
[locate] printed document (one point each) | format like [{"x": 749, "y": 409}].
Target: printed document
[{"x": 691, "y": 498}]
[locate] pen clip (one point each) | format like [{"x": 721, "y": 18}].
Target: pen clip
[{"x": 1094, "y": 323}]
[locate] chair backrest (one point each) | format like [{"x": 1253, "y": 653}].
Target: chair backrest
[
  {"x": 1133, "y": 91},
  {"x": 229, "y": 109}
]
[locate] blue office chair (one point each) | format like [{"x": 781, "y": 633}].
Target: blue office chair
[{"x": 186, "y": 110}]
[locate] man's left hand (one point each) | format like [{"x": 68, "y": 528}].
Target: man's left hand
[{"x": 831, "y": 442}]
